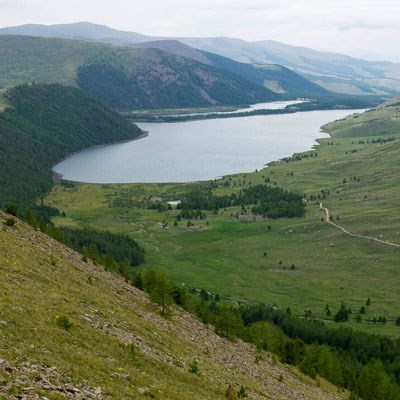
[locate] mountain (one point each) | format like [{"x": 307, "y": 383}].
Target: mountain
[
  {"x": 72, "y": 330},
  {"x": 336, "y": 72},
  {"x": 274, "y": 77},
  {"x": 124, "y": 78},
  {"x": 79, "y": 30},
  {"x": 43, "y": 124}
]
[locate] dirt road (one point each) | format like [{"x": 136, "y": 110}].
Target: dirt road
[{"x": 344, "y": 230}]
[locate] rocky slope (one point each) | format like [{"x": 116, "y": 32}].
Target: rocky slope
[{"x": 118, "y": 345}]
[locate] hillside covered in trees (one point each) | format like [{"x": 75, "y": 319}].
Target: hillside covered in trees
[
  {"x": 124, "y": 78},
  {"x": 43, "y": 124}
]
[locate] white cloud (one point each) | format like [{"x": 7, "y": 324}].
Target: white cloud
[{"x": 12, "y": 3}]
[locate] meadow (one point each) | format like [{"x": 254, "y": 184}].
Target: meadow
[{"x": 301, "y": 263}]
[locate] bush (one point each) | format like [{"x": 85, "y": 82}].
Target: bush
[
  {"x": 132, "y": 351},
  {"x": 12, "y": 210},
  {"x": 10, "y": 221},
  {"x": 194, "y": 368},
  {"x": 64, "y": 322}
]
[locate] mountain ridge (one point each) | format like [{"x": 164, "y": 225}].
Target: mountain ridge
[
  {"x": 363, "y": 77},
  {"x": 130, "y": 77},
  {"x": 274, "y": 77}
]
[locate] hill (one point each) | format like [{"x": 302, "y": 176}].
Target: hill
[
  {"x": 72, "y": 330},
  {"x": 379, "y": 121},
  {"x": 274, "y": 77},
  {"x": 43, "y": 124},
  {"x": 124, "y": 78},
  {"x": 336, "y": 72}
]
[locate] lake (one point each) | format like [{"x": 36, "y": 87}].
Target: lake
[
  {"x": 272, "y": 105},
  {"x": 200, "y": 150}
]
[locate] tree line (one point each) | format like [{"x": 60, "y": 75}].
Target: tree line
[
  {"x": 366, "y": 364},
  {"x": 117, "y": 253},
  {"x": 270, "y": 202},
  {"x": 43, "y": 124}
]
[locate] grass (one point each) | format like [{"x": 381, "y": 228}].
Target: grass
[
  {"x": 227, "y": 255},
  {"x": 82, "y": 320}
]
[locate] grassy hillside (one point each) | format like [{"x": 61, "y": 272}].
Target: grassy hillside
[
  {"x": 235, "y": 253},
  {"x": 382, "y": 120},
  {"x": 43, "y": 124},
  {"x": 123, "y": 77},
  {"x": 118, "y": 345}
]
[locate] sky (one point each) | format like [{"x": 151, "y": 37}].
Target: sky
[{"x": 362, "y": 28}]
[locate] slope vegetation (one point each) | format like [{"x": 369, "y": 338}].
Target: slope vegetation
[
  {"x": 43, "y": 124},
  {"x": 94, "y": 336},
  {"x": 274, "y": 77},
  {"x": 382, "y": 120},
  {"x": 124, "y": 77}
]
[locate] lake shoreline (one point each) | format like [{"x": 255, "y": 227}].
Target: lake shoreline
[
  {"x": 57, "y": 176},
  {"x": 200, "y": 150}
]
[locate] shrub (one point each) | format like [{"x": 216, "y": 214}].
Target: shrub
[
  {"x": 12, "y": 210},
  {"x": 132, "y": 351},
  {"x": 194, "y": 368},
  {"x": 10, "y": 221},
  {"x": 64, "y": 322}
]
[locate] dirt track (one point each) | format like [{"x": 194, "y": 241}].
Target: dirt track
[{"x": 344, "y": 230}]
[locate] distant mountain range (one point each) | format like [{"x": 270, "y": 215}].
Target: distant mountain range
[
  {"x": 274, "y": 77},
  {"x": 124, "y": 78},
  {"x": 334, "y": 72}
]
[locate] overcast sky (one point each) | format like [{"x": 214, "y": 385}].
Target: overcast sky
[{"x": 357, "y": 27}]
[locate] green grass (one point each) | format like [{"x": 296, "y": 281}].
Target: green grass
[
  {"x": 45, "y": 287},
  {"x": 384, "y": 119},
  {"x": 227, "y": 255}
]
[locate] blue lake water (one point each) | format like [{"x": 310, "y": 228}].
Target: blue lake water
[{"x": 199, "y": 150}]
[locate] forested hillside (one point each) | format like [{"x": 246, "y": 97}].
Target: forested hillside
[
  {"x": 43, "y": 124},
  {"x": 274, "y": 77},
  {"x": 124, "y": 78}
]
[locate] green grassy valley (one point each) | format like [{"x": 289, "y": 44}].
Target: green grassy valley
[
  {"x": 243, "y": 257},
  {"x": 276, "y": 284}
]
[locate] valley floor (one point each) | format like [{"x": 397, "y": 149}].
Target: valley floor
[{"x": 301, "y": 263}]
